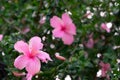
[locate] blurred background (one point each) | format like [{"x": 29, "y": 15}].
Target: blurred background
[{"x": 23, "y": 19}]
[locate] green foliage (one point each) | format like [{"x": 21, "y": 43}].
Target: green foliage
[{"x": 81, "y": 62}]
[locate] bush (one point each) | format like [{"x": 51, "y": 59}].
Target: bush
[{"x": 96, "y": 45}]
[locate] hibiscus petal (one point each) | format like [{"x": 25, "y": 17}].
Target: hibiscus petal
[
  {"x": 68, "y": 39},
  {"x": 33, "y": 66},
  {"x": 56, "y": 22},
  {"x": 35, "y": 43},
  {"x": 21, "y": 47},
  {"x": 71, "y": 29},
  {"x": 20, "y": 62},
  {"x": 66, "y": 18},
  {"x": 44, "y": 57},
  {"x": 57, "y": 33},
  {"x": 29, "y": 76}
]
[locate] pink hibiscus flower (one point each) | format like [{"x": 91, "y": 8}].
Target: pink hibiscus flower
[
  {"x": 1, "y": 37},
  {"x": 32, "y": 54},
  {"x": 63, "y": 28},
  {"x": 105, "y": 67},
  {"x": 105, "y": 27},
  {"x": 90, "y": 43}
]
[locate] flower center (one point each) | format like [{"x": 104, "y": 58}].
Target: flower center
[
  {"x": 32, "y": 53},
  {"x": 63, "y": 28},
  {"x": 31, "y": 56}
]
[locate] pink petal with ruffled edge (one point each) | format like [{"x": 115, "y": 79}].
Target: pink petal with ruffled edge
[
  {"x": 21, "y": 47},
  {"x": 1, "y": 37},
  {"x": 33, "y": 66},
  {"x": 57, "y": 33},
  {"x": 35, "y": 44},
  {"x": 68, "y": 39},
  {"x": 66, "y": 18},
  {"x": 56, "y": 22},
  {"x": 21, "y": 62},
  {"x": 44, "y": 57}
]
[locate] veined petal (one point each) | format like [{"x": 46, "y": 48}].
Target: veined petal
[
  {"x": 35, "y": 43},
  {"x": 68, "y": 39},
  {"x": 57, "y": 33},
  {"x": 33, "y": 66},
  {"x": 21, "y": 47},
  {"x": 66, "y": 18},
  {"x": 56, "y": 22},
  {"x": 44, "y": 57},
  {"x": 21, "y": 62},
  {"x": 71, "y": 29}
]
